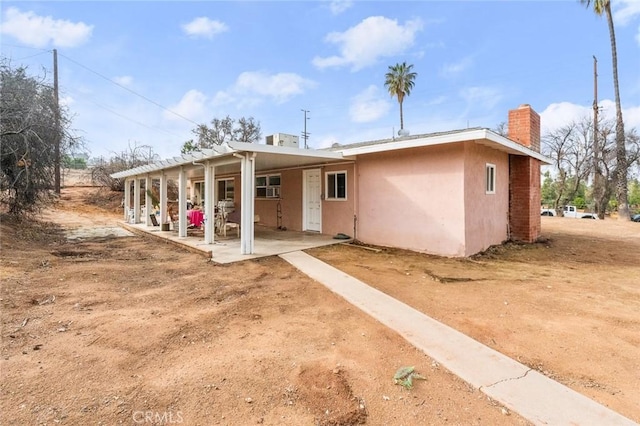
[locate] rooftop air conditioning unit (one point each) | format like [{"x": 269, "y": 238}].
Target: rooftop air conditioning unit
[{"x": 282, "y": 139}]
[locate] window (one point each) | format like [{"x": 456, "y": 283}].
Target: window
[
  {"x": 268, "y": 186},
  {"x": 226, "y": 189},
  {"x": 198, "y": 193},
  {"x": 490, "y": 179},
  {"x": 336, "y": 186}
]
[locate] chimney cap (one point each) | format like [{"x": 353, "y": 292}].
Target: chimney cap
[{"x": 524, "y": 106}]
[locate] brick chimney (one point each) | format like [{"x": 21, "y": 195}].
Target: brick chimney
[
  {"x": 524, "y": 176},
  {"x": 524, "y": 127}
]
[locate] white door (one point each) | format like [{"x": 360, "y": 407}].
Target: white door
[{"x": 311, "y": 202}]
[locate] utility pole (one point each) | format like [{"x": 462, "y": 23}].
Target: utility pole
[
  {"x": 57, "y": 135},
  {"x": 305, "y": 135},
  {"x": 598, "y": 179}
]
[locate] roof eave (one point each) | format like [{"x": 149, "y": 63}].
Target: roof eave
[{"x": 464, "y": 136}]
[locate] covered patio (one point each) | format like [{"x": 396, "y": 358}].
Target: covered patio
[
  {"x": 267, "y": 242},
  {"x": 207, "y": 166}
]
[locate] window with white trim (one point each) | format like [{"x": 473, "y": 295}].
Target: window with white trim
[
  {"x": 336, "y": 185},
  {"x": 490, "y": 178},
  {"x": 226, "y": 189},
  {"x": 268, "y": 186}
]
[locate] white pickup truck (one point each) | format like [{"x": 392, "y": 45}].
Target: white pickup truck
[
  {"x": 572, "y": 211},
  {"x": 569, "y": 211}
]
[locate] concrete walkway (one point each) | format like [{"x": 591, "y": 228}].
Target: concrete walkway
[{"x": 521, "y": 389}]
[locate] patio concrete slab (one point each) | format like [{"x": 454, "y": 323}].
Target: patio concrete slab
[
  {"x": 267, "y": 242},
  {"x": 534, "y": 396}
]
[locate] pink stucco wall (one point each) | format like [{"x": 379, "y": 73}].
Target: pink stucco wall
[
  {"x": 487, "y": 215},
  {"x": 430, "y": 199},
  {"x": 413, "y": 199},
  {"x": 290, "y": 202},
  {"x": 337, "y": 215}
]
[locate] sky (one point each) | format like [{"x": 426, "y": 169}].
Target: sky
[{"x": 147, "y": 72}]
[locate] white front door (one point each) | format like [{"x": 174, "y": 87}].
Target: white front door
[{"x": 311, "y": 202}]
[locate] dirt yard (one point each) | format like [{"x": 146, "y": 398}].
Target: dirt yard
[{"x": 126, "y": 330}]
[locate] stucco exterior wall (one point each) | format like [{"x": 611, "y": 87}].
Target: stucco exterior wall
[
  {"x": 290, "y": 202},
  {"x": 413, "y": 199},
  {"x": 337, "y": 215},
  {"x": 487, "y": 215}
]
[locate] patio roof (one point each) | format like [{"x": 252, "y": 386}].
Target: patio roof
[{"x": 268, "y": 157}]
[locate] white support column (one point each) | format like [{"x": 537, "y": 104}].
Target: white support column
[
  {"x": 127, "y": 199},
  {"x": 251, "y": 199},
  {"x": 136, "y": 200},
  {"x": 163, "y": 199},
  {"x": 247, "y": 209},
  {"x": 209, "y": 203},
  {"x": 182, "y": 203},
  {"x": 148, "y": 207}
]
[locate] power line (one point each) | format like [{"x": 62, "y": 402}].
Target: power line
[
  {"x": 129, "y": 90},
  {"x": 305, "y": 134},
  {"x": 123, "y": 116}
]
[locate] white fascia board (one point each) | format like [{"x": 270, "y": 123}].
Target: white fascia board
[
  {"x": 285, "y": 150},
  {"x": 515, "y": 146},
  {"x": 463, "y": 136},
  {"x": 415, "y": 143}
]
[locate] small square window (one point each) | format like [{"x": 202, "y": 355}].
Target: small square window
[
  {"x": 490, "y": 179},
  {"x": 336, "y": 186}
]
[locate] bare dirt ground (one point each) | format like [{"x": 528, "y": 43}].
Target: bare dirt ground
[
  {"x": 568, "y": 306},
  {"x": 126, "y": 330}
]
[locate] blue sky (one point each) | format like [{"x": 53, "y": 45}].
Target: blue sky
[{"x": 181, "y": 63}]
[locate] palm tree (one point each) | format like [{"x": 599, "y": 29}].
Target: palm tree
[
  {"x": 600, "y": 7},
  {"x": 399, "y": 82}
]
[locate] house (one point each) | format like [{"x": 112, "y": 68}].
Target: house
[{"x": 450, "y": 193}]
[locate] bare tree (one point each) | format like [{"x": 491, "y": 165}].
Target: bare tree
[
  {"x": 571, "y": 149},
  {"x": 223, "y": 130},
  {"x": 28, "y": 131},
  {"x": 135, "y": 155},
  {"x": 248, "y": 130}
]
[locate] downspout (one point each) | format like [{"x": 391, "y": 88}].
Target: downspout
[{"x": 356, "y": 200}]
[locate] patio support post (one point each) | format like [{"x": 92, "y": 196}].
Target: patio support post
[
  {"x": 163, "y": 199},
  {"x": 147, "y": 201},
  {"x": 127, "y": 199},
  {"x": 136, "y": 200},
  {"x": 182, "y": 203},
  {"x": 209, "y": 203},
  {"x": 246, "y": 205}
]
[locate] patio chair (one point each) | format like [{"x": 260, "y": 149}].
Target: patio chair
[{"x": 232, "y": 220}]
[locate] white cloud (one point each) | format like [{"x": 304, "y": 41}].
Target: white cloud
[
  {"x": 204, "y": 27},
  {"x": 449, "y": 70},
  {"x": 339, "y": 6},
  {"x": 481, "y": 97},
  {"x": 251, "y": 87},
  {"x": 41, "y": 31},
  {"x": 67, "y": 101},
  {"x": 559, "y": 114},
  {"x": 191, "y": 106},
  {"x": 625, "y": 10},
  {"x": 373, "y": 38},
  {"x": 368, "y": 105},
  {"x": 124, "y": 80}
]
